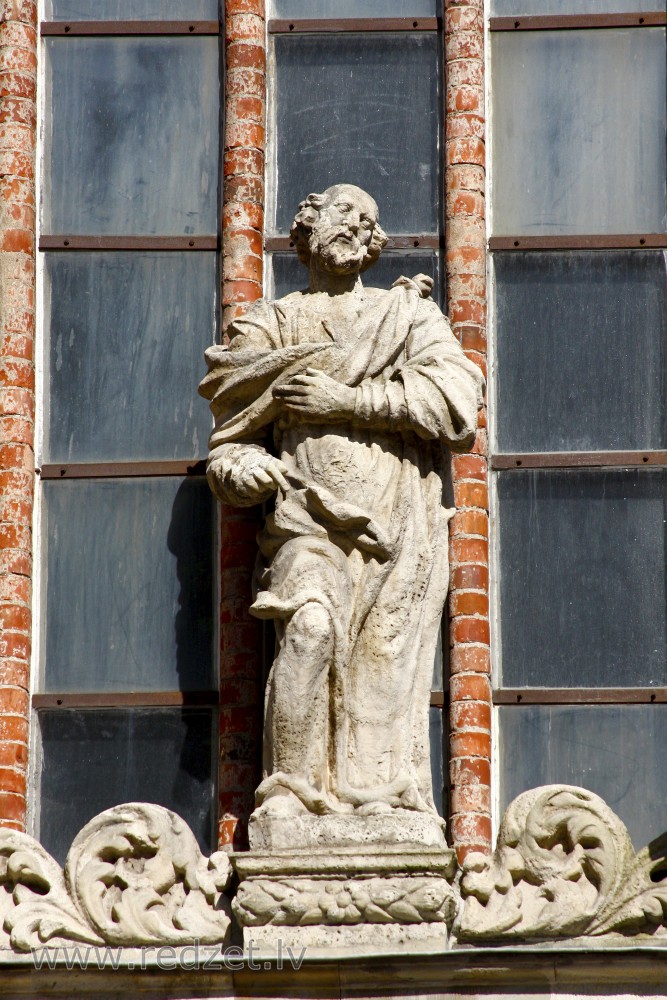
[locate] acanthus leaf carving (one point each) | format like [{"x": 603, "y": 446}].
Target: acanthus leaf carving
[
  {"x": 639, "y": 902},
  {"x": 564, "y": 865},
  {"x": 35, "y": 907},
  {"x": 133, "y": 876},
  {"x": 138, "y": 875}
]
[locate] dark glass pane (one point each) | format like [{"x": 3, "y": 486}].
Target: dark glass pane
[
  {"x": 129, "y": 585},
  {"x": 92, "y": 760},
  {"x": 126, "y": 334},
  {"x": 581, "y": 350},
  {"x": 289, "y": 275},
  {"x": 579, "y": 126},
  {"x": 582, "y": 577},
  {"x": 360, "y": 109},
  {"x": 437, "y": 747},
  {"x": 132, "y": 142},
  {"x": 616, "y": 751},
  {"x": 131, "y": 10},
  {"x": 352, "y": 8},
  {"x": 438, "y": 679},
  {"x": 501, "y": 8}
]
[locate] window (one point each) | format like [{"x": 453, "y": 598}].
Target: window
[
  {"x": 579, "y": 265},
  {"x": 127, "y": 668}
]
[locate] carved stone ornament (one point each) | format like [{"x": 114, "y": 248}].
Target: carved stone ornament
[
  {"x": 350, "y": 887},
  {"x": 564, "y": 866},
  {"x": 298, "y": 901},
  {"x": 133, "y": 876}
]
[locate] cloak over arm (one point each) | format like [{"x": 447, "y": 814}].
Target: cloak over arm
[
  {"x": 230, "y": 462},
  {"x": 435, "y": 391}
]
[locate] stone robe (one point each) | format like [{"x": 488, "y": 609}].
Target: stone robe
[{"x": 363, "y": 530}]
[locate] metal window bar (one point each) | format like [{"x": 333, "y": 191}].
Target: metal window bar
[
  {"x": 578, "y": 459},
  {"x": 559, "y": 22},
  {"x": 580, "y": 696},
  {"x": 643, "y": 241},
  {"x": 285, "y": 26},
  {"x": 68, "y": 242},
  {"x": 121, "y": 470},
  {"x": 112, "y": 699},
  {"x": 72, "y": 29}
]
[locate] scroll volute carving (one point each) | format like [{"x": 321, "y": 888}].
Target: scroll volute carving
[
  {"x": 564, "y": 865},
  {"x": 134, "y": 876}
]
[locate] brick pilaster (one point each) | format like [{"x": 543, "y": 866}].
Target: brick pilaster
[
  {"x": 470, "y": 689},
  {"x": 18, "y": 63},
  {"x": 242, "y": 276},
  {"x": 243, "y": 208}
]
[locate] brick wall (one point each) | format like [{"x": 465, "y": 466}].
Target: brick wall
[
  {"x": 18, "y": 62},
  {"x": 470, "y": 690},
  {"x": 242, "y": 228}
]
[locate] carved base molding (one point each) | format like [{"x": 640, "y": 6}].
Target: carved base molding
[
  {"x": 345, "y": 897},
  {"x": 563, "y": 868}
]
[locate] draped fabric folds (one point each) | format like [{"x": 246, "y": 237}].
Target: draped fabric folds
[{"x": 363, "y": 529}]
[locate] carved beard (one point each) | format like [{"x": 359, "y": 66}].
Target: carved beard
[{"x": 336, "y": 248}]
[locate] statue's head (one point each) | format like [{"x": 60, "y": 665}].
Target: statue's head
[{"x": 340, "y": 227}]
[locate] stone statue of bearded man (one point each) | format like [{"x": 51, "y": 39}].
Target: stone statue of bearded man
[{"x": 345, "y": 401}]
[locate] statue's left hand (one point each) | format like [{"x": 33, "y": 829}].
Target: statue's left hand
[{"x": 314, "y": 394}]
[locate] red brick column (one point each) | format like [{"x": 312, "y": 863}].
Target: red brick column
[
  {"x": 470, "y": 690},
  {"x": 242, "y": 234},
  {"x": 18, "y": 63}
]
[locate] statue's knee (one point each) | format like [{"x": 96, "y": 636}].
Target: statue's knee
[{"x": 310, "y": 628}]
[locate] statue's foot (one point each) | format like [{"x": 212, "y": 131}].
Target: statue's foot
[
  {"x": 373, "y": 808},
  {"x": 281, "y": 802},
  {"x": 312, "y": 799}
]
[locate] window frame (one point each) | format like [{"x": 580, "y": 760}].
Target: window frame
[
  {"x": 194, "y": 467},
  {"x": 509, "y": 462}
]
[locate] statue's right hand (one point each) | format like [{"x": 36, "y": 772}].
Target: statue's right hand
[
  {"x": 244, "y": 474},
  {"x": 261, "y": 475}
]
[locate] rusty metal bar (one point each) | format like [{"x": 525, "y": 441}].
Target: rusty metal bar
[
  {"x": 74, "y": 28},
  {"x": 121, "y": 470},
  {"x": 416, "y": 242},
  {"x": 325, "y": 25},
  {"x": 558, "y": 22},
  {"x": 437, "y": 699},
  {"x": 66, "y": 242},
  {"x": 115, "y": 699},
  {"x": 580, "y": 696},
  {"x": 644, "y": 241},
  {"x": 578, "y": 459}
]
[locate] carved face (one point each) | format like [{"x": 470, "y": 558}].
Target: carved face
[{"x": 343, "y": 229}]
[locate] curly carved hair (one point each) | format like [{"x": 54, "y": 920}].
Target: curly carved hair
[{"x": 305, "y": 218}]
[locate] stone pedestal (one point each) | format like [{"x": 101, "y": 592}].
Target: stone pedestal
[
  {"x": 362, "y": 896},
  {"x": 396, "y": 830}
]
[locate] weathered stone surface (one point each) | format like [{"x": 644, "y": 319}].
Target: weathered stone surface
[
  {"x": 401, "y": 827},
  {"x": 314, "y": 896},
  {"x": 345, "y": 939},
  {"x": 134, "y": 876},
  {"x": 563, "y": 866},
  {"x": 343, "y": 401},
  {"x": 345, "y": 862}
]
